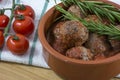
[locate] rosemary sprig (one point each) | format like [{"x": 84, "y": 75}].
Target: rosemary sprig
[
  {"x": 98, "y": 27},
  {"x": 99, "y": 8}
]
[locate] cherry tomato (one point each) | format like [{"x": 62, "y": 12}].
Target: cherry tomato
[
  {"x": 4, "y": 19},
  {"x": 1, "y": 39},
  {"x": 18, "y": 44},
  {"x": 25, "y": 10},
  {"x": 24, "y": 25}
]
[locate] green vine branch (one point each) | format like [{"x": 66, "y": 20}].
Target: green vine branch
[{"x": 11, "y": 18}]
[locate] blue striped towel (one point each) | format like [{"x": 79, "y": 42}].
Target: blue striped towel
[{"x": 34, "y": 54}]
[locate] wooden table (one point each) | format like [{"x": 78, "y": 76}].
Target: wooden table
[{"x": 12, "y": 71}]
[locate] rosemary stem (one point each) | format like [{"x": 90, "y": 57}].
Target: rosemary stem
[{"x": 98, "y": 27}]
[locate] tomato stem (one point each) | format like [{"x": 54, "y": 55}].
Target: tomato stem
[
  {"x": 15, "y": 37},
  {"x": 11, "y": 18},
  {"x": 20, "y": 17},
  {"x": 7, "y": 8},
  {"x": 8, "y": 34},
  {"x": 21, "y": 7},
  {"x": 2, "y": 11}
]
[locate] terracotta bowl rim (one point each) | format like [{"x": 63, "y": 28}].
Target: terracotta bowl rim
[{"x": 61, "y": 57}]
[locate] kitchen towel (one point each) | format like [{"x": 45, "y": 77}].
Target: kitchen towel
[{"x": 34, "y": 54}]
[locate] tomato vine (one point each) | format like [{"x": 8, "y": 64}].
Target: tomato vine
[
  {"x": 21, "y": 44},
  {"x": 11, "y": 18}
]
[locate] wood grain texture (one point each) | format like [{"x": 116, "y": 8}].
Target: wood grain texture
[{"x": 12, "y": 71}]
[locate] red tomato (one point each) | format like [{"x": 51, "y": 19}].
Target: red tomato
[
  {"x": 25, "y": 10},
  {"x": 18, "y": 44},
  {"x": 1, "y": 39},
  {"x": 4, "y": 19},
  {"x": 24, "y": 26}
]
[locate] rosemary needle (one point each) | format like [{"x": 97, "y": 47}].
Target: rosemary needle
[
  {"x": 98, "y": 27},
  {"x": 99, "y": 8}
]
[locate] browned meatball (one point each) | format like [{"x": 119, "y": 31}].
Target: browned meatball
[
  {"x": 96, "y": 19},
  {"x": 60, "y": 46},
  {"x": 59, "y": 43},
  {"x": 69, "y": 34},
  {"x": 98, "y": 44},
  {"x": 106, "y": 21},
  {"x": 79, "y": 52},
  {"x": 115, "y": 43},
  {"x": 74, "y": 9},
  {"x": 100, "y": 57},
  {"x": 92, "y": 18}
]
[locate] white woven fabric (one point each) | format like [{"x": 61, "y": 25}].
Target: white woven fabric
[{"x": 34, "y": 54}]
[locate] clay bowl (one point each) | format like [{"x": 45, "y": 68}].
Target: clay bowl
[{"x": 71, "y": 69}]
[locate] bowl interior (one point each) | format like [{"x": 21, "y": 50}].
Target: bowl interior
[{"x": 45, "y": 24}]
